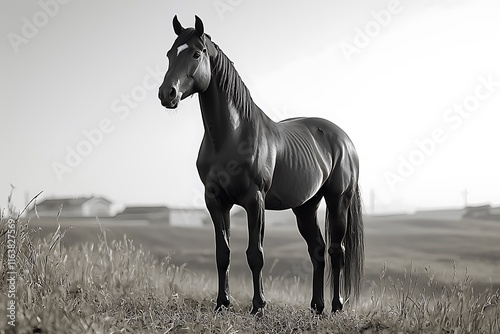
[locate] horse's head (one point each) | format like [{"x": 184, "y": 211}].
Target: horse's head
[{"x": 189, "y": 65}]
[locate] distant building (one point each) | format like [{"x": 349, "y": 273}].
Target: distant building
[
  {"x": 189, "y": 217},
  {"x": 272, "y": 218},
  {"x": 101, "y": 207},
  {"x": 495, "y": 213},
  {"x": 166, "y": 215},
  {"x": 481, "y": 212},
  {"x": 73, "y": 207},
  {"x": 156, "y": 214},
  {"x": 440, "y": 214}
]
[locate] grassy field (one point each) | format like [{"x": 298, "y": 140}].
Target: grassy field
[
  {"x": 95, "y": 279},
  {"x": 396, "y": 242}
]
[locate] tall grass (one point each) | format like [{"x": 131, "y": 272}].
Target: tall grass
[{"x": 117, "y": 287}]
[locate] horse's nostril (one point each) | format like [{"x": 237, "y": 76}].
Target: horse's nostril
[{"x": 173, "y": 93}]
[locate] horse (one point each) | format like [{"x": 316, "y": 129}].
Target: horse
[{"x": 247, "y": 159}]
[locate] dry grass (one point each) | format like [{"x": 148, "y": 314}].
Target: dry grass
[{"x": 117, "y": 287}]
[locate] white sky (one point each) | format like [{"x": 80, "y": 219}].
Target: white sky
[{"x": 74, "y": 72}]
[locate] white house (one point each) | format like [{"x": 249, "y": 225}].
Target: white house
[{"x": 73, "y": 207}]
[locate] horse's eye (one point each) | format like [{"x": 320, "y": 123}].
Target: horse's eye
[{"x": 197, "y": 55}]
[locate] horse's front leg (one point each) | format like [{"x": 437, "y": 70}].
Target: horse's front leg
[
  {"x": 219, "y": 211},
  {"x": 254, "y": 206}
]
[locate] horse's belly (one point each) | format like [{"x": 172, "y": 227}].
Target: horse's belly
[
  {"x": 292, "y": 188},
  {"x": 301, "y": 168}
]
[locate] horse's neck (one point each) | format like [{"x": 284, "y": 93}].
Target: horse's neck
[{"x": 221, "y": 120}]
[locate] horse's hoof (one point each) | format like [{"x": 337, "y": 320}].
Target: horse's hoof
[
  {"x": 317, "y": 308},
  {"x": 337, "y": 306},
  {"x": 258, "y": 310},
  {"x": 221, "y": 308},
  {"x": 317, "y": 311}
]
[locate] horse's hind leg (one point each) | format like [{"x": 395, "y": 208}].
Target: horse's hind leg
[
  {"x": 336, "y": 224},
  {"x": 307, "y": 223}
]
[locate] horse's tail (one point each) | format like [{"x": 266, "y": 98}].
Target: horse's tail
[{"x": 354, "y": 249}]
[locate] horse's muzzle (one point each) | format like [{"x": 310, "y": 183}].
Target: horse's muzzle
[
  {"x": 170, "y": 104},
  {"x": 170, "y": 100}
]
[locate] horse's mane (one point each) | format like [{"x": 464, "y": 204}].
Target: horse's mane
[{"x": 232, "y": 85}]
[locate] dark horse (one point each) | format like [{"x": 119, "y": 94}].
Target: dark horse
[{"x": 247, "y": 159}]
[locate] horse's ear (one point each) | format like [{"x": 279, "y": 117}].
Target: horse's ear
[
  {"x": 177, "y": 26},
  {"x": 198, "y": 26}
]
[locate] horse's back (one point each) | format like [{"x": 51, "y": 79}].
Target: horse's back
[
  {"x": 333, "y": 133},
  {"x": 328, "y": 136}
]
